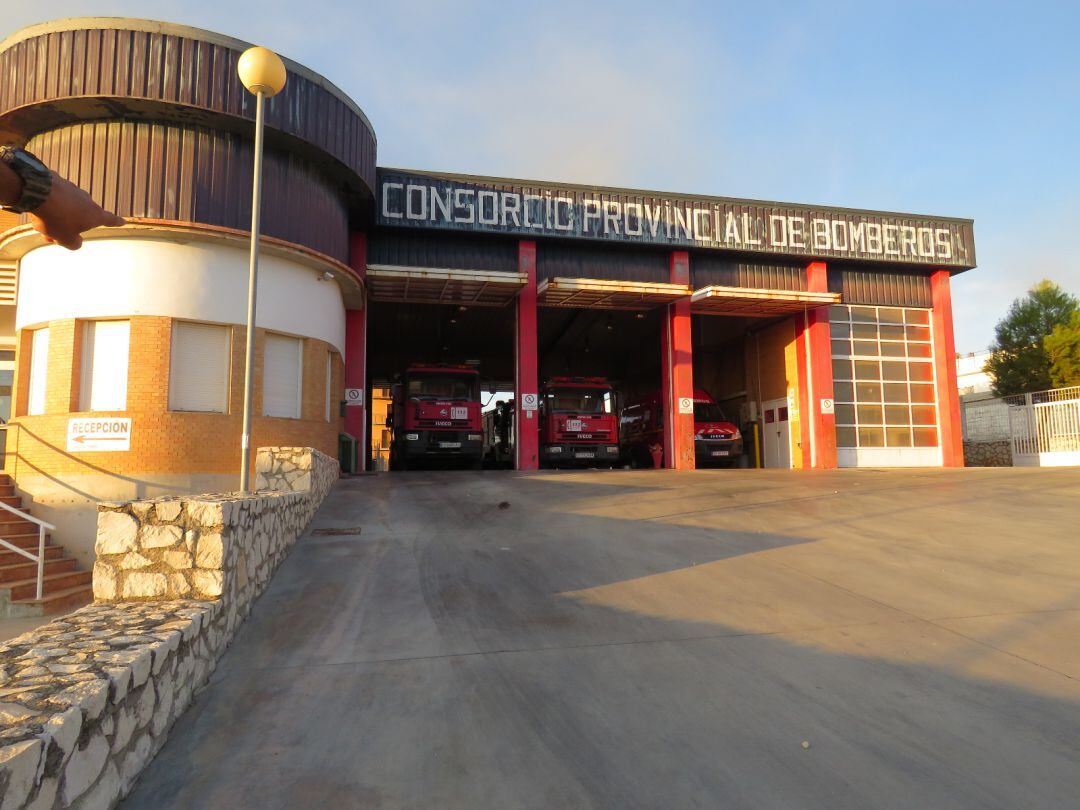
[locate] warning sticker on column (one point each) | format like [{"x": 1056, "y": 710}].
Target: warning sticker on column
[{"x": 87, "y": 435}]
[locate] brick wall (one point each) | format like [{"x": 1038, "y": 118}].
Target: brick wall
[{"x": 164, "y": 441}]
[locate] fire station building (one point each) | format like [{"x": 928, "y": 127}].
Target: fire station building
[{"x": 827, "y": 332}]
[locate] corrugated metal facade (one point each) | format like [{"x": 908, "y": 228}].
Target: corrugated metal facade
[
  {"x": 449, "y": 251},
  {"x": 884, "y": 289},
  {"x": 707, "y": 269},
  {"x": 184, "y": 73},
  {"x": 536, "y": 209},
  {"x": 557, "y": 259},
  {"x": 193, "y": 174}
]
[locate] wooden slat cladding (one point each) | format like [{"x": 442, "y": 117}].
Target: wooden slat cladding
[
  {"x": 451, "y": 251},
  {"x": 882, "y": 289},
  {"x": 92, "y": 73},
  {"x": 709, "y": 269},
  {"x": 578, "y": 260},
  {"x": 193, "y": 174}
]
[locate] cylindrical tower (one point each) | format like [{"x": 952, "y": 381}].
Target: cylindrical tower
[{"x": 146, "y": 322}]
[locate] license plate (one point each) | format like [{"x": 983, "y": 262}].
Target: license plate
[
  {"x": 573, "y": 425},
  {"x": 449, "y": 445},
  {"x": 721, "y": 452},
  {"x": 459, "y": 413},
  {"x": 584, "y": 455}
]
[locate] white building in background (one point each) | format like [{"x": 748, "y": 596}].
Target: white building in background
[{"x": 971, "y": 376}]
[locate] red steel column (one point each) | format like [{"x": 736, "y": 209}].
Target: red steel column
[
  {"x": 820, "y": 451},
  {"x": 948, "y": 396},
  {"x": 526, "y": 422},
  {"x": 356, "y": 421},
  {"x": 677, "y": 372}
]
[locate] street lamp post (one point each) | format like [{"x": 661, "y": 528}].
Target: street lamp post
[{"x": 263, "y": 73}]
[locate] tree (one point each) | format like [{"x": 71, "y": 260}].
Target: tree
[
  {"x": 1020, "y": 363},
  {"x": 1063, "y": 349}
]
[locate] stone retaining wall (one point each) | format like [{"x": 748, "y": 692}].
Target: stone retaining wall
[
  {"x": 988, "y": 454},
  {"x": 88, "y": 699}
]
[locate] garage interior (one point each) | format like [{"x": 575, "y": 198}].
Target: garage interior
[{"x": 601, "y": 311}]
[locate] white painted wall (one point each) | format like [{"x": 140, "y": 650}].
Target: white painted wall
[
  {"x": 194, "y": 280},
  {"x": 888, "y": 457},
  {"x": 971, "y": 376}
]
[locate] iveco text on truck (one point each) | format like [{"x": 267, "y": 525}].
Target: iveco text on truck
[
  {"x": 577, "y": 422},
  {"x": 717, "y": 442},
  {"x": 436, "y": 417}
]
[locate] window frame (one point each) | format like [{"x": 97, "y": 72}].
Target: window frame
[
  {"x": 226, "y": 388},
  {"x": 87, "y": 366},
  {"x": 38, "y": 369},
  {"x": 847, "y": 356},
  {"x": 299, "y": 403}
]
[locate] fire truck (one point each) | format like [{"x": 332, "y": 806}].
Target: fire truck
[
  {"x": 436, "y": 417},
  {"x": 578, "y": 425},
  {"x": 717, "y": 442}
]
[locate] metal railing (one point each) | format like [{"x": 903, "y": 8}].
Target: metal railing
[
  {"x": 40, "y": 558},
  {"x": 1045, "y": 422}
]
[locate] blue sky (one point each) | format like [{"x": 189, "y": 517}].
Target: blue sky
[{"x": 962, "y": 109}]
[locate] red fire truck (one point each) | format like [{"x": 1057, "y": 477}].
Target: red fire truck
[
  {"x": 436, "y": 416},
  {"x": 577, "y": 422},
  {"x": 717, "y": 442}
]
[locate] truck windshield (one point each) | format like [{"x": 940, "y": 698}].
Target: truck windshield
[
  {"x": 579, "y": 400},
  {"x": 708, "y": 412},
  {"x": 441, "y": 386}
]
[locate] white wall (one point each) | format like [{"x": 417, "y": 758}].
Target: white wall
[
  {"x": 194, "y": 280},
  {"x": 888, "y": 457},
  {"x": 971, "y": 378}
]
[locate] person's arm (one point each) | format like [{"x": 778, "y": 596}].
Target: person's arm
[{"x": 65, "y": 213}]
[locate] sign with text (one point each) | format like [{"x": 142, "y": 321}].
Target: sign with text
[
  {"x": 96, "y": 434},
  {"x": 354, "y": 396},
  {"x": 529, "y": 402},
  {"x": 686, "y": 405},
  {"x": 408, "y": 199}
]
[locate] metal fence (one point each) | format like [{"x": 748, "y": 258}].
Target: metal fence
[{"x": 1045, "y": 427}]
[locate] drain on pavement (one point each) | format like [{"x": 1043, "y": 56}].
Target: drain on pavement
[{"x": 333, "y": 531}]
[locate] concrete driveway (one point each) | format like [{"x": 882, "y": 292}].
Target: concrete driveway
[{"x": 656, "y": 640}]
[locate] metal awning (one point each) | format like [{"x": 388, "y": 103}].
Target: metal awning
[
  {"x": 433, "y": 285},
  {"x": 598, "y": 293},
  {"x": 755, "y": 303}
]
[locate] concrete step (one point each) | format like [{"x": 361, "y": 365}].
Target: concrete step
[
  {"x": 7, "y": 489},
  {"x": 23, "y": 539},
  {"x": 27, "y": 588},
  {"x": 28, "y": 570},
  {"x": 12, "y": 500},
  {"x": 9, "y": 524},
  {"x": 54, "y": 602},
  {"x": 10, "y": 557}
]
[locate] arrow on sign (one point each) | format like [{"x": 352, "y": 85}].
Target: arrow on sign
[{"x": 81, "y": 439}]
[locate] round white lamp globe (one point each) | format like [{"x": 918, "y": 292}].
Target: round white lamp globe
[{"x": 261, "y": 71}]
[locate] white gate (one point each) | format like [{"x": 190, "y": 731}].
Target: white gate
[{"x": 1045, "y": 428}]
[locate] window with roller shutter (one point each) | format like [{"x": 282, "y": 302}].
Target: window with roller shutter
[
  {"x": 104, "y": 377},
  {"x": 199, "y": 369},
  {"x": 282, "y": 358}
]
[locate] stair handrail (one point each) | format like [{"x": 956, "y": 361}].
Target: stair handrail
[{"x": 40, "y": 558}]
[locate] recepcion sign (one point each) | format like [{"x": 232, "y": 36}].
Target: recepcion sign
[
  {"x": 448, "y": 202},
  {"x": 96, "y": 434}
]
